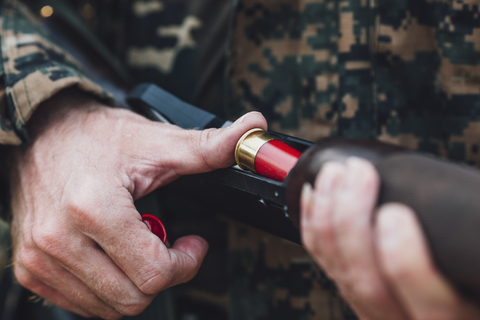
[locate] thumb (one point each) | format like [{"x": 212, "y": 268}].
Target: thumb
[
  {"x": 212, "y": 149},
  {"x": 165, "y": 152},
  {"x": 187, "y": 255}
]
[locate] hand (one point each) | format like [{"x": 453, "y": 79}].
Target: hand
[
  {"x": 78, "y": 240},
  {"x": 378, "y": 259}
]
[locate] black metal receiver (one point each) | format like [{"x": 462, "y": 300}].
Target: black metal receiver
[{"x": 242, "y": 195}]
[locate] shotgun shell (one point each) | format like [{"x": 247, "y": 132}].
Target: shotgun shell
[
  {"x": 261, "y": 153},
  {"x": 156, "y": 226}
]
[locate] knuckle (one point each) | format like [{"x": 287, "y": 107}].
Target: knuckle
[
  {"x": 325, "y": 229},
  {"x": 320, "y": 232},
  {"x": 30, "y": 261},
  {"x": 23, "y": 277},
  {"x": 121, "y": 301},
  {"x": 202, "y": 143},
  {"x": 48, "y": 241},
  {"x": 156, "y": 278},
  {"x": 81, "y": 210}
]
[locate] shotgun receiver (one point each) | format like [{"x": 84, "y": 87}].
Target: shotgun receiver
[{"x": 444, "y": 195}]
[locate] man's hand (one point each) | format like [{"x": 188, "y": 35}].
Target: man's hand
[
  {"x": 379, "y": 260},
  {"x": 78, "y": 240}
]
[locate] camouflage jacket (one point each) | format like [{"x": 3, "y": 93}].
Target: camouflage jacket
[{"x": 400, "y": 71}]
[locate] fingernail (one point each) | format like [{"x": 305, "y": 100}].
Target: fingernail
[
  {"x": 242, "y": 118},
  {"x": 305, "y": 201}
]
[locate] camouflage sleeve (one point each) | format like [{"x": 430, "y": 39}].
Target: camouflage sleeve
[{"x": 33, "y": 69}]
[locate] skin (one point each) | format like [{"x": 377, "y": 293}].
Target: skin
[
  {"x": 378, "y": 257},
  {"x": 80, "y": 243},
  {"x": 78, "y": 240}
]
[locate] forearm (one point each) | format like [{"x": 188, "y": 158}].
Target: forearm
[{"x": 64, "y": 106}]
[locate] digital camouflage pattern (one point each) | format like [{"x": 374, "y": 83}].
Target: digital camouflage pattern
[
  {"x": 177, "y": 44},
  {"x": 272, "y": 278},
  {"x": 401, "y": 71},
  {"x": 33, "y": 70}
]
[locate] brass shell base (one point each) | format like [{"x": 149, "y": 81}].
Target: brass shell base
[{"x": 248, "y": 146}]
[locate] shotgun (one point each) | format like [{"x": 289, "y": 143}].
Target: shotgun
[{"x": 444, "y": 195}]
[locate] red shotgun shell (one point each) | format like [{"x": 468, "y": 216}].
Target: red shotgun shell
[
  {"x": 259, "y": 152},
  {"x": 156, "y": 226}
]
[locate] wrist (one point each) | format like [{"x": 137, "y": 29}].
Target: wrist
[
  {"x": 49, "y": 123},
  {"x": 66, "y": 106}
]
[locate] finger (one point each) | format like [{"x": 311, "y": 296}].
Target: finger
[
  {"x": 187, "y": 254},
  {"x": 118, "y": 229},
  {"x": 27, "y": 280},
  {"x": 46, "y": 277},
  {"x": 169, "y": 152},
  {"x": 150, "y": 265},
  {"x": 215, "y": 148},
  {"x": 316, "y": 221},
  {"x": 101, "y": 281},
  {"x": 363, "y": 282},
  {"x": 406, "y": 261},
  {"x": 179, "y": 265}
]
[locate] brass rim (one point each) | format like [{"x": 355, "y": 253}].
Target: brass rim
[{"x": 248, "y": 146}]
